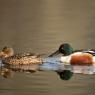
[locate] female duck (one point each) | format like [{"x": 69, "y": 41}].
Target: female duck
[{"x": 18, "y": 62}]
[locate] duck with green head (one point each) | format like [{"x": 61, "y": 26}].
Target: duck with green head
[
  {"x": 74, "y": 57},
  {"x": 64, "y": 49}
]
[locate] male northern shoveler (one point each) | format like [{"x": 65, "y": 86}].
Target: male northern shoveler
[
  {"x": 82, "y": 61},
  {"x": 66, "y": 49},
  {"x": 76, "y": 57}
]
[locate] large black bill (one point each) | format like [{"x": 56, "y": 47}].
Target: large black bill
[{"x": 54, "y": 54}]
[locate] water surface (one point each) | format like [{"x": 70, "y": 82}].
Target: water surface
[{"x": 41, "y": 26}]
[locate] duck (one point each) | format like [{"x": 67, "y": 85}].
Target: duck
[
  {"x": 66, "y": 49},
  {"x": 22, "y": 62},
  {"x": 75, "y": 57},
  {"x": 8, "y": 56},
  {"x": 82, "y": 57}
]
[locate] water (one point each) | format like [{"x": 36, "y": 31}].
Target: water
[{"x": 41, "y": 26}]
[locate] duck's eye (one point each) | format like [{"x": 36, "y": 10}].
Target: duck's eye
[
  {"x": 61, "y": 49},
  {"x": 4, "y": 48}
]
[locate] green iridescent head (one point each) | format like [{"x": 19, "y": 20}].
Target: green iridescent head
[{"x": 66, "y": 49}]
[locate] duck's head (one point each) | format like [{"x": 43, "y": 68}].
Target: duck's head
[
  {"x": 6, "y": 52},
  {"x": 66, "y": 49}
]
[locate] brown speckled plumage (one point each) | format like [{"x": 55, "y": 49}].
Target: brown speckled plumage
[
  {"x": 23, "y": 62},
  {"x": 26, "y": 62}
]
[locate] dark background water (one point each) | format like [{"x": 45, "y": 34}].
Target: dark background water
[{"x": 41, "y": 26}]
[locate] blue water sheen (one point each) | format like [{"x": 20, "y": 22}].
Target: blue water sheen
[{"x": 52, "y": 63}]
